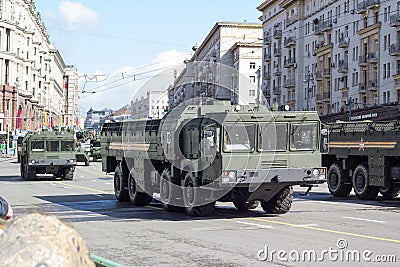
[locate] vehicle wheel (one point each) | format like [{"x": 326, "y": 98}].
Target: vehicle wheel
[
  {"x": 166, "y": 190},
  {"x": 121, "y": 193},
  {"x": 360, "y": 184},
  {"x": 336, "y": 181},
  {"x": 68, "y": 174},
  {"x": 94, "y": 159},
  {"x": 192, "y": 196},
  {"x": 18, "y": 158},
  {"x": 280, "y": 203},
  {"x": 87, "y": 162},
  {"x": 389, "y": 192},
  {"x": 30, "y": 174},
  {"x": 137, "y": 198},
  {"x": 248, "y": 205}
]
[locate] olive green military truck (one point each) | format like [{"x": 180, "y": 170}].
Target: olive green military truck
[
  {"x": 48, "y": 152},
  {"x": 199, "y": 154},
  {"x": 364, "y": 157},
  {"x": 95, "y": 149}
]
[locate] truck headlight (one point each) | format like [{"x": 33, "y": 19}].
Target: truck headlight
[
  {"x": 71, "y": 160},
  {"x": 228, "y": 176},
  {"x": 316, "y": 172}
]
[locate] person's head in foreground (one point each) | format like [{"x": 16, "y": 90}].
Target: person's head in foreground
[{"x": 40, "y": 240}]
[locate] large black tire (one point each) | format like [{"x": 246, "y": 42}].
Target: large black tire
[
  {"x": 30, "y": 174},
  {"x": 390, "y": 192},
  {"x": 120, "y": 192},
  {"x": 245, "y": 205},
  {"x": 280, "y": 203},
  {"x": 167, "y": 187},
  {"x": 192, "y": 197},
  {"x": 361, "y": 184},
  {"x": 337, "y": 181},
  {"x": 68, "y": 174},
  {"x": 137, "y": 198}
]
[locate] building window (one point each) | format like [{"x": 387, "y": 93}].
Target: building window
[
  {"x": 252, "y": 65},
  {"x": 252, "y": 92},
  {"x": 388, "y": 70},
  {"x": 253, "y": 79}
]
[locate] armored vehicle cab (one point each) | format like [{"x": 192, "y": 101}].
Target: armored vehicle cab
[
  {"x": 95, "y": 149},
  {"x": 48, "y": 152}
]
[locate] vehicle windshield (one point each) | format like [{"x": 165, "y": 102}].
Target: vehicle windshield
[
  {"x": 52, "y": 146},
  {"x": 304, "y": 136},
  {"x": 67, "y": 145},
  {"x": 273, "y": 137},
  {"x": 96, "y": 144},
  {"x": 37, "y": 146},
  {"x": 239, "y": 137}
]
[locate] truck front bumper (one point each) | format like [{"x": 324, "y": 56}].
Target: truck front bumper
[{"x": 291, "y": 176}]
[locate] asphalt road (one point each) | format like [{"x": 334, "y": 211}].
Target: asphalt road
[{"x": 319, "y": 229}]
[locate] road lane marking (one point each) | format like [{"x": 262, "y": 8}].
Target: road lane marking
[
  {"x": 87, "y": 188},
  {"x": 255, "y": 224},
  {"x": 361, "y": 219},
  {"x": 96, "y": 173},
  {"x": 303, "y": 225},
  {"x": 326, "y": 230}
]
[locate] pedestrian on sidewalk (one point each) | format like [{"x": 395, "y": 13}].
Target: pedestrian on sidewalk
[{"x": 2, "y": 147}]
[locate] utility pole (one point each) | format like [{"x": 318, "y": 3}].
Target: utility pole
[{"x": 309, "y": 78}]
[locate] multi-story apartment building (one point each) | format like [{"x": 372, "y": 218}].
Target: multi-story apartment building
[
  {"x": 31, "y": 70},
  {"x": 96, "y": 118},
  {"x": 225, "y": 66},
  {"x": 153, "y": 106},
  {"x": 343, "y": 54}
]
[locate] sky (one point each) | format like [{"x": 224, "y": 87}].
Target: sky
[{"x": 118, "y": 45}]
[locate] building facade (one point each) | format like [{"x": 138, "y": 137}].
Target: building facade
[
  {"x": 224, "y": 66},
  {"x": 96, "y": 118},
  {"x": 31, "y": 70},
  {"x": 153, "y": 106},
  {"x": 334, "y": 55}
]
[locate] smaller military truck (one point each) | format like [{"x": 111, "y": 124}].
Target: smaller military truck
[
  {"x": 48, "y": 152},
  {"x": 95, "y": 149},
  {"x": 364, "y": 157},
  {"x": 82, "y": 153}
]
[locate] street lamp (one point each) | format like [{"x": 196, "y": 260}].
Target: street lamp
[{"x": 309, "y": 78}]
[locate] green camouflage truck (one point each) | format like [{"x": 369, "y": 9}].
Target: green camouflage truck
[
  {"x": 48, "y": 152},
  {"x": 364, "y": 157},
  {"x": 199, "y": 154}
]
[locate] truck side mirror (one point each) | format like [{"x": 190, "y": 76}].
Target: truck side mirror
[{"x": 324, "y": 140}]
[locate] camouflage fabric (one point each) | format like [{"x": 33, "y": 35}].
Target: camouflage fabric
[{"x": 40, "y": 240}]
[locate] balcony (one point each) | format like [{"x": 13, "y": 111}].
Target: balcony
[
  {"x": 288, "y": 83},
  {"x": 323, "y": 26},
  {"x": 267, "y": 39},
  {"x": 343, "y": 66},
  {"x": 319, "y": 97},
  {"x": 327, "y": 73},
  {"x": 267, "y": 57},
  {"x": 292, "y": 20},
  {"x": 267, "y": 75},
  {"x": 344, "y": 42},
  {"x": 362, "y": 88},
  {"x": 394, "y": 20},
  {"x": 289, "y": 62},
  {"x": 277, "y": 52},
  {"x": 362, "y": 61},
  {"x": 367, "y": 4},
  {"x": 394, "y": 50},
  {"x": 277, "y": 33},
  {"x": 277, "y": 71},
  {"x": 373, "y": 85},
  {"x": 277, "y": 90},
  {"x": 289, "y": 41},
  {"x": 372, "y": 57}
]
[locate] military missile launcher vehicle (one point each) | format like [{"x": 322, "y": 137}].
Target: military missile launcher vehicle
[
  {"x": 364, "y": 157},
  {"x": 48, "y": 152},
  {"x": 199, "y": 154}
]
